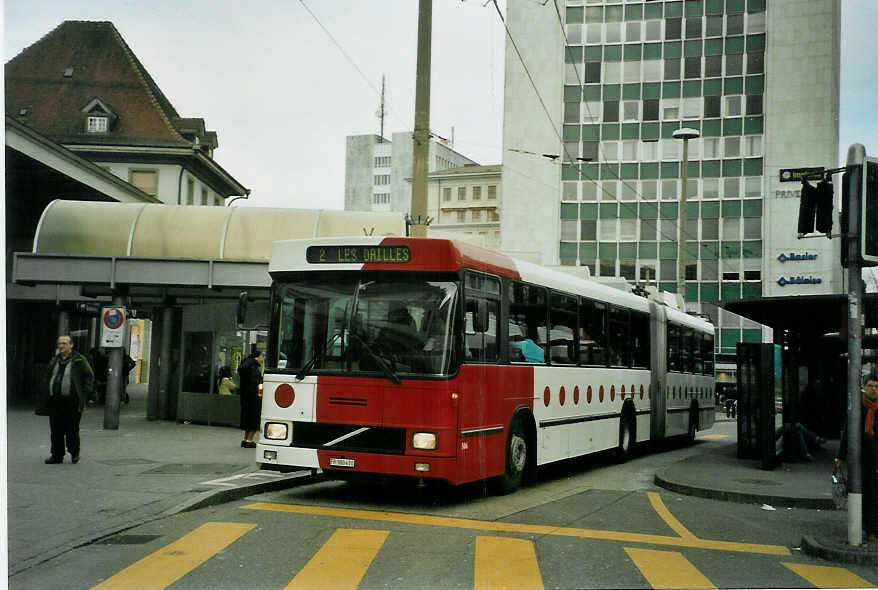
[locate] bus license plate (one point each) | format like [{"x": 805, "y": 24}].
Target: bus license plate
[{"x": 339, "y": 462}]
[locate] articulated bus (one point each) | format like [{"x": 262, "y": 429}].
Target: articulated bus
[{"x": 438, "y": 359}]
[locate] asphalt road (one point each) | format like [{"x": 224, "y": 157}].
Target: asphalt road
[{"x": 584, "y": 524}]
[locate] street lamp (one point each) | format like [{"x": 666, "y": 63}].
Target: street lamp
[{"x": 684, "y": 133}]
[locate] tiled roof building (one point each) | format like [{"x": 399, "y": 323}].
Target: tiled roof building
[{"x": 82, "y": 86}]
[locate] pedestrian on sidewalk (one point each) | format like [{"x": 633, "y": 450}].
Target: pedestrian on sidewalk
[
  {"x": 71, "y": 382},
  {"x": 250, "y": 373},
  {"x": 868, "y": 456}
]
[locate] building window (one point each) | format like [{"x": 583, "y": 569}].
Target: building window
[
  {"x": 461, "y": 193},
  {"x": 204, "y": 196},
  {"x": 711, "y": 106},
  {"x": 589, "y": 229},
  {"x": 382, "y": 161},
  {"x": 693, "y": 67},
  {"x": 96, "y": 124},
  {"x": 446, "y": 194},
  {"x": 381, "y": 179},
  {"x": 190, "y": 192},
  {"x": 733, "y": 106},
  {"x": 631, "y": 110},
  {"x": 673, "y": 28},
  {"x": 146, "y": 180},
  {"x": 477, "y": 193},
  {"x": 734, "y": 64},
  {"x": 713, "y": 66},
  {"x": 381, "y": 199},
  {"x": 734, "y": 24},
  {"x": 492, "y": 191},
  {"x": 461, "y": 216},
  {"x": 693, "y": 28},
  {"x": 714, "y": 26},
  {"x": 754, "y": 104},
  {"x": 755, "y": 63}
]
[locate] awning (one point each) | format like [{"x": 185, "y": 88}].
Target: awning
[{"x": 814, "y": 314}]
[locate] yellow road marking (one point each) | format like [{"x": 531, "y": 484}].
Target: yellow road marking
[
  {"x": 172, "y": 562},
  {"x": 666, "y": 516},
  {"x": 667, "y": 569},
  {"x": 712, "y": 436},
  {"x": 507, "y": 563},
  {"x": 824, "y": 576},
  {"x": 341, "y": 562},
  {"x": 531, "y": 529}
]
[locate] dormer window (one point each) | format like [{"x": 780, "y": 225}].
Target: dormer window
[
  {"x": 98, "y": 117},
  {"x": 96, "y": 124}
]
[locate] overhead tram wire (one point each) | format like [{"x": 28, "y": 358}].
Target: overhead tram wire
[{"x": 348, "y": 57}]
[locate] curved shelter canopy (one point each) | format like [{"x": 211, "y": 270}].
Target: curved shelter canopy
[
  {"x": 156, "y": 249},
  {"x": 210, "y": 233}
]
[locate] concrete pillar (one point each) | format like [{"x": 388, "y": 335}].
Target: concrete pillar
[
  {"x": 165, "y": 361},
  {"x": 63, "y": 322}
]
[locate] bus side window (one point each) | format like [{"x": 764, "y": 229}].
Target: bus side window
[
  {"x": 707, "y": 353},
  {"x": 640, "y": 339},
  {"x": 673, "y": 347},
  {"x": 481, "y": 346},
  {"x": 592, "y": 332},
  {"x": 563, "y": 317},
  {"x": 527, "y": 323},
  {"x": 697, "y": 353},
  {"x": 619, "y": 342},
  {"x": 686, "y": 349}
]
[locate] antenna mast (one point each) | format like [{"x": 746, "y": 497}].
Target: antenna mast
[{"x": 381, "y": 112}]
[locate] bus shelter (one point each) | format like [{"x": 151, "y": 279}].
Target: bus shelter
[{"x": 184, "y": 268}]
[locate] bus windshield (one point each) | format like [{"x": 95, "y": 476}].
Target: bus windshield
[{"x": 395, "y": 326}]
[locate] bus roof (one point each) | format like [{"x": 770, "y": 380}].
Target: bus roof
[{"x": 393, "y": 253}]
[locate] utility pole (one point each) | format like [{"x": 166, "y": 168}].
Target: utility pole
[
  {"x": 421, "y": 136},
  {"x": 856, "y": 164}
]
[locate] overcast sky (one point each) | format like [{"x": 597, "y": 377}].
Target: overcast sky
[{"x": 282, "y": 92}]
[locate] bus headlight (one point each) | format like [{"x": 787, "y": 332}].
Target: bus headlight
[
  {"x": 424, "y": 440},
  {"x": 276, "y": 431}
]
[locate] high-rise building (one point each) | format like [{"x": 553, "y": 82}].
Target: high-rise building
[
  {"x": 378, "y": 171},
  {"x": 603, "y": 84}
]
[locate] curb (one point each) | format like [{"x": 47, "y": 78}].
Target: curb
[
  {"x": 744, "y": 497},
  {"x": 221, "y": 496},
  {"x": 839, "y": 551}
]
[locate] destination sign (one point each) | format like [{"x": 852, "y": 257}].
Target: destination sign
[{"x": 358, "y": 254}]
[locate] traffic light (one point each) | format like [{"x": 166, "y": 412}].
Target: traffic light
[
  {"x": 807, "y": 208},
  {"x": 869, "y": 223},
  {"x": 825, "y": 202}
]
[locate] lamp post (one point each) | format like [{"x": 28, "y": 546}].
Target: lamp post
[{"x": 684, "y": 133}]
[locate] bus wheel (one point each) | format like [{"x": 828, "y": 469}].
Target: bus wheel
[
  {"x": 516, "y": 458},
  {"x": 625, "y": 450},
  {"x": 693, "y": 424}
]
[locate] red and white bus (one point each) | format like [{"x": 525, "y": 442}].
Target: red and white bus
[{"x": 439, "y": 359}]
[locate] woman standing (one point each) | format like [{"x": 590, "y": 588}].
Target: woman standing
[{"x": 250, "y": 373}]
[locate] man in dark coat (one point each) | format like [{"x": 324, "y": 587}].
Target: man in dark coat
[
  {"x": 250, "y": 373},
  {"x": 71, "y": 382},
  {"x": 868, "y": 456}
]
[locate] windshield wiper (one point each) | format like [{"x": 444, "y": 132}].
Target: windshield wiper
[
  {"x": 382, "y": 362},
  {"x": 317, "y": 353}
]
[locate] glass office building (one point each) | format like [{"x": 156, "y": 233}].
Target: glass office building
[{"x": 625, "y": 76}]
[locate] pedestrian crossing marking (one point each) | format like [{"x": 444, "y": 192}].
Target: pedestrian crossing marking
[
  {"x": 170, "y": 563},
  {"x": 656, "y": 500},
  {"x": 824, "y": 576},
  {"x": 667, "y": 569},
  {"x": 511, "y": 527},
  {"x": 507, "y": 563},
  {"x": 342, "y": 561},
  {"x": 712, "y": 436}
]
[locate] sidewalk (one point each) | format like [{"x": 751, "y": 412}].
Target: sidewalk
[
  {"x": 142, "y": 471},
  {"x": 719, "y": 474}
]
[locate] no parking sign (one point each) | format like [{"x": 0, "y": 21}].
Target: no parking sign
[{"x": 112, "y": 327}]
